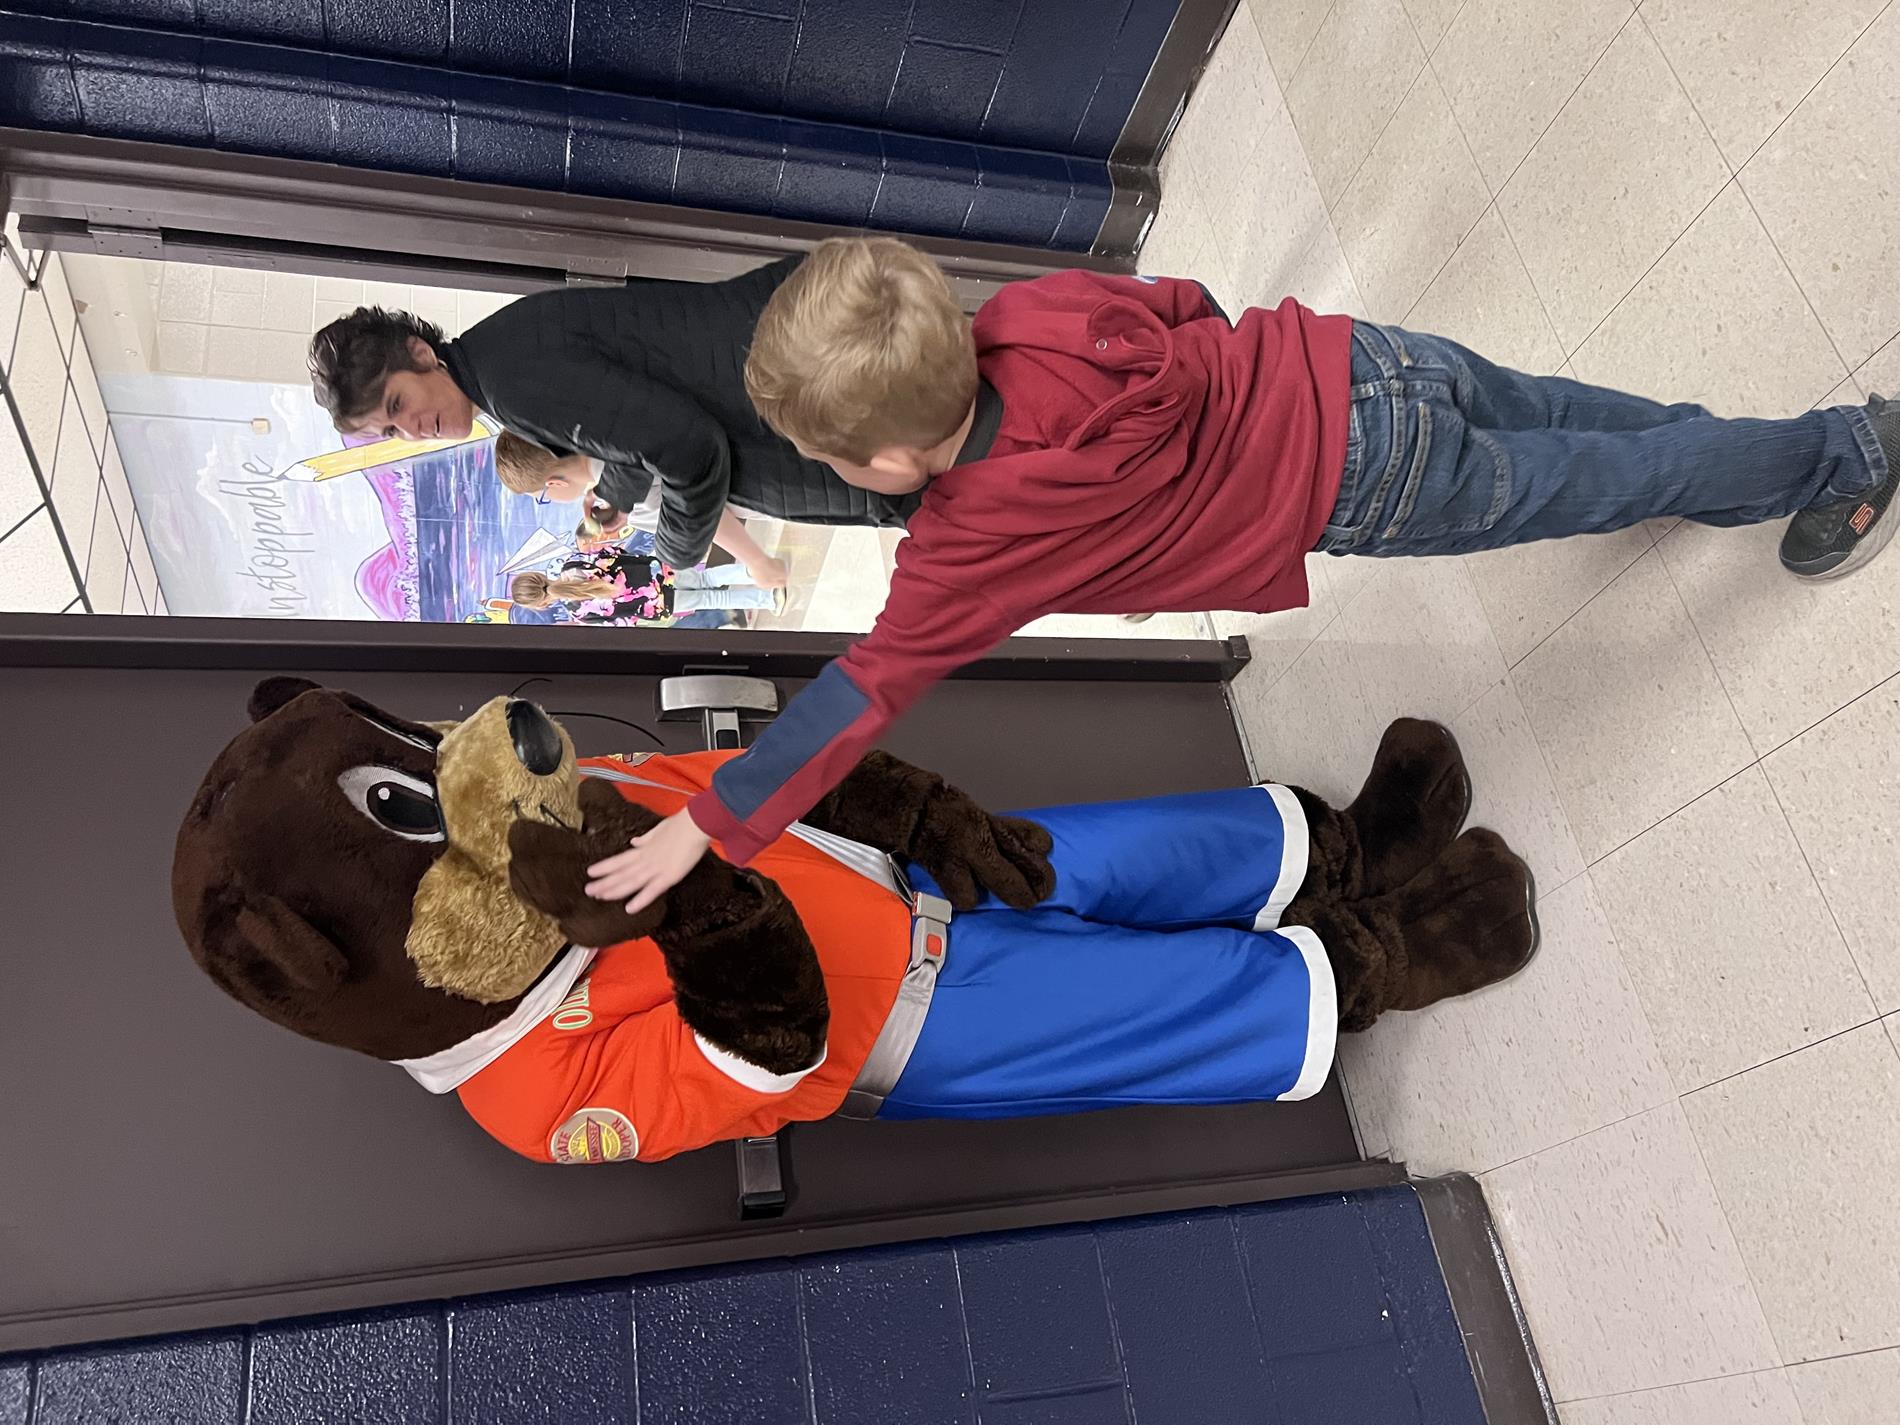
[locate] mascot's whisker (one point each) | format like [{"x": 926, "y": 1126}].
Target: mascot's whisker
[{"x": 608, "y": 717}]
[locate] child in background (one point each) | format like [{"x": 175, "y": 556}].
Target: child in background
[
  {"x": 1091, "y": 439},
  {"x": 602, "y": 527},
  {"x": 528, "y": 469},
  {"x": 625, "y": 590}
]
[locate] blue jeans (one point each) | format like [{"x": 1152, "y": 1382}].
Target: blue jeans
[{"x": 1447, "y": 453}]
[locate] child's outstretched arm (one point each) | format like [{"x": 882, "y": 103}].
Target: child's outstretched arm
[
  {"x": 926, "y": 632},
  {"x": 733, "y": 537}
]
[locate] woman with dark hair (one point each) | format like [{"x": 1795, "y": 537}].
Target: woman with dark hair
[{"x": 648, "y": 378}]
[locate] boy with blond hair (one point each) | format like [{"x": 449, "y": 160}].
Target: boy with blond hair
[
  {"x": 1092, "y": 439},
  {"x": 529, "y": 469}
]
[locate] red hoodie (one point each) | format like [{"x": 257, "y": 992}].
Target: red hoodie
[{"x": 1148, "y": 457}]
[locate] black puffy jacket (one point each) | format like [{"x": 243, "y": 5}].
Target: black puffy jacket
[{"x": 650, "y": 376}]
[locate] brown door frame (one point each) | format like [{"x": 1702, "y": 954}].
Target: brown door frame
[
  {"x": 123, "y": 198},
  {"x": 130, "y": 199}
]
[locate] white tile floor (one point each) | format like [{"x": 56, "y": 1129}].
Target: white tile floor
[{"x": 1685, "y": 1114}]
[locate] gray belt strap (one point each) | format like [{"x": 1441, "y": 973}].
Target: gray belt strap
[{"x": 929, "y": 943}]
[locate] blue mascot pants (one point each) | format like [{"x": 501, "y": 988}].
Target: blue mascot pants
[{"x": 1156, "y": 974}]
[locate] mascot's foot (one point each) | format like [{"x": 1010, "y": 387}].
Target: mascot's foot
[
  {"x": 1469, "y": 921},
  {"x": 1465, "y": 922},
  {"x": 1413, "y": 805}
]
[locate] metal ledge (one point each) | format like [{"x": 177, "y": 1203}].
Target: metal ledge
[
  {"x": 1503, "y": 1357},
  {"x": 131, "y": 641}
]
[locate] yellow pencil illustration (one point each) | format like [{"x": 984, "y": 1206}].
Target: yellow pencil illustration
[{"x": 383, "y": 452}]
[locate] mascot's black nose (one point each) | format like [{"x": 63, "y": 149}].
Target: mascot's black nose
[{"x": 537, "y": 740}]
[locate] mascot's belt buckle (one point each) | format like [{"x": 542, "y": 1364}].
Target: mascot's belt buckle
[{"x": 930, "y": 929}]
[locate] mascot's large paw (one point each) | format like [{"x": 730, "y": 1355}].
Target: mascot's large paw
[
  {"x": 1413, "y": 804},
  {"x": 967, "y": 851},
  {"x": 547, "y": 867}
]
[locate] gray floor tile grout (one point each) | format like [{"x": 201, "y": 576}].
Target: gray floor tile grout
[
  {"x": 1573, "y": 616},
  {"x": 1643, "y": 276},
  {"x": 1735, "y": 1375},
  {"x": 1748, "y": 1270},
  {"x": 1795, "y": 277},
  {"x": 1830, "y": 716},
  {"x": 1305, "y": 53},
  {"x": 1439, "y": 43},
  {"x": 1463, "y": 237},
  {"x": 1808, "y": 93},
  {"x": 1366, "y": 158},
  {"x": 1702, "y": 642},
  {"x": 1543, "y": 305},
  {"x": 1874, "y": 1018},
  {"x": 1280, "y": 677},
  {"x": 1807, "y": 861},
  {"x": 1702, "y": 796},
  {"x": 1748, "y": 1273},
  {"x": 1675, "y": 1385},
  {"x": 1617, "y": 1122},
  {"x": 1694, "y": 108},
  {"x": 1582, "y": 80}
]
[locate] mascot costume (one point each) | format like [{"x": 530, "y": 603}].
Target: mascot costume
[{"x": 415, "y": 891}]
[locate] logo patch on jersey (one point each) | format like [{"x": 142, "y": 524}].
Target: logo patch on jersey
[
  {"x": 626, "y": 759},
  {"x": 594, "y": 1135}
]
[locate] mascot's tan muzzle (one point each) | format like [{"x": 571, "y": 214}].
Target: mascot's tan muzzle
[{"x": 506, "y": 762}]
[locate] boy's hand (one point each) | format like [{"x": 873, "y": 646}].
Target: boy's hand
[
  {"x": 657, "y": 862},
  {"x": 768, "y": 573}
]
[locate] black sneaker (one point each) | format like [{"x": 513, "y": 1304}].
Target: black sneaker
[{"x": 1832, "y": 541}]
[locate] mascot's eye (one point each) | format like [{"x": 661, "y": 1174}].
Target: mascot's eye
[{"x": 395, "y": 801}]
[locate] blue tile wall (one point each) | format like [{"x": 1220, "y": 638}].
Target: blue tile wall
[
  {"x": 16, "y": 1392},
  {"x": 983, "y": 119},
  {"x": 722, "y": 1348},
  {"x": 523, "y": 39},
  {"x": 630, "y": 46},
  {"x": 140, "y": 84},
  {"x": 887, "y": 1339},
  {"x": 398, "y": 29},
  {"x": 1053, "y": 74},
  {"x": 280, "y": 21},
  {"x": 384, "y": 1367},
  {"x": 36, "y": 80},
  {"x": 845, "y": 63},
  {"x": 563, "y": 1358},
  {"x": 260, "y": 99},
  {"x": 181, "y": 1381},
  {"x": 1324, "y": 1311}
]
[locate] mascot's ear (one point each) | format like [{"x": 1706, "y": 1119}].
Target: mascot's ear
[
  {"x": 271, "y": 694},
  {"x": 271, "y": 957}
]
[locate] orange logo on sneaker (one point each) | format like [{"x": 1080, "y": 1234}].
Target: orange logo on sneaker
[{"x": 1863, "y": 517}]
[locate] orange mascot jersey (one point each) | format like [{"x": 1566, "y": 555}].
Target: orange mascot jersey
[{"x": 597, "y": 1066}]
